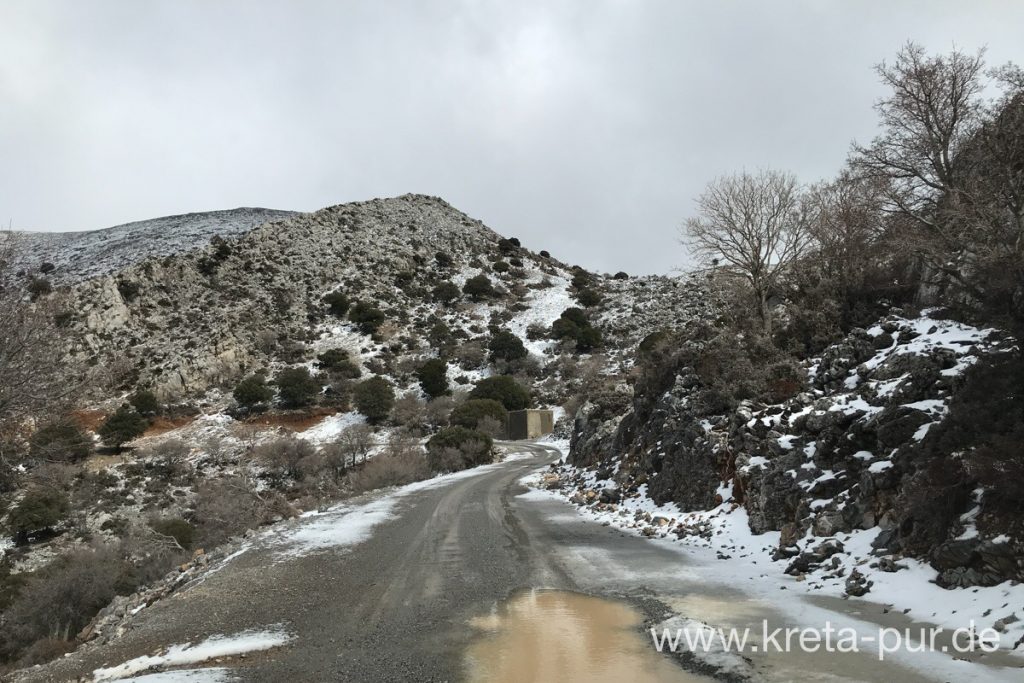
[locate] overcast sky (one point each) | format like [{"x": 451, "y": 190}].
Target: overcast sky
[{"x": 585, "y": 128}]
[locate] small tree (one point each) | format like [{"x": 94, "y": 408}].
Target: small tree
[
  {"x": 338, "y": 364},
  {"x": 40, "y": 509},
  {"x": 506, "y": 346},
  {"x": 296, "y": 387},
  {"x": 337, "y": 303},
  {"x": 469, "y": 413},
  {"x": 369, "y": 318},
  {"x": 374, "y": 398},
  {"x": 750, "y": 225},
  {"x": 503, "y": 389},
  {"x": 145, "y": 402},
  {"x": 445, "y": 292},
  {"x": 252, "y": 391},
  {"x": 433, "y": 377},
  {"x": 356, "y": 442},
  {"x": 479, "y": 287},
  {"x": 62, "y": 440},
  {"x": 123, "y": 426}
]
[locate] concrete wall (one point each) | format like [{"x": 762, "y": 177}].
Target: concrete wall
[{"x": 530, "y": 424}]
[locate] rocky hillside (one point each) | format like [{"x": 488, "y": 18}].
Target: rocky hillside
[
  {"x": 889, "y": 444},
  {"x": 71, "y": 257},
  {"x": 206, "y": 298}
]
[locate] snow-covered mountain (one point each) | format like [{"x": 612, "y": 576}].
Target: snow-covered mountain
[{"x": 76, "y": 256}]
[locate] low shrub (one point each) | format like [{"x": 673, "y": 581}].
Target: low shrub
[
  {"x": 469, "y": 413},
  {"x": 479, "y": 287},
  {"x": 374, "y": 398},
  {"x": 253, "y": 391},
  {"x": 38, "y": 511},
  {"x": 505, "y": 390},
  {"x": 60, "y": 441},
  {"x": 145, "y": 403},
  {"x": 506, "y": 346},
  {"x": 433, "y": 378},
  {"x": 123, "y": 426},
  {"x": 367, "y": 317},
  {"x": 475, "y": 448},
  {"x": 337, "y": 303},
  {"x": 296, "y": 387}
]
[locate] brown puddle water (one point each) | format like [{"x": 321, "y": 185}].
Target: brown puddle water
[{"x": 549, "y": 635}]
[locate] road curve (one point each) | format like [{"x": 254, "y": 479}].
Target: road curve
[{"x": 396, "y": 604}]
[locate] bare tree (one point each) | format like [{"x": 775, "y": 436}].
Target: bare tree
[
  {"x": 933, "y": 111},
  {"x": 356, "y": 441},
  {"x": 750, "y": 224}
]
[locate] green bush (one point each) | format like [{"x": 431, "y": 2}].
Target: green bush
[
  {"x": 581, "y": 279},
  {"x": 500, "y": 266},
  {"x": 479, "y": 287},
  {"x": 123, "y": 426},
  {"x": 336, "y": 362},
  {"x": 503, "y": 389},
  {"x": 433, "y": 377},
  {"x": 62, "y": 440},
  {"x": 145, "y": 403},
  {"x": 337, "y": 303},
  {"x": 374, "y": 398},
  {"x": 40, "y": 509},
  {"x": 296, "y": 387},
  {"x": 469, "y": 413},
  {"x": 506, "y": 346},
  {"x": 588, "y": 297},
  {"x": 574, "y": 324},
  {"x": 252, "y": 391},
  {"x": 446, "y": 292},
  {"x": 369, "y": 318},
  {"x": 182, "y": 532}
]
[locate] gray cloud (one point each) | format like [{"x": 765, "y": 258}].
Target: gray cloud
[{"x": 585, "y": 128}]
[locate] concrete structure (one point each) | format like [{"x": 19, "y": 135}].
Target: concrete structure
[{"x": 530, "y": 424}]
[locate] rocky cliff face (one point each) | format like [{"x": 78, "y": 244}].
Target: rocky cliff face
[{"x": 862, "y": 447}]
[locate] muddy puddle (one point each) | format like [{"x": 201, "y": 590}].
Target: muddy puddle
[{"x": 549, "y": 635}]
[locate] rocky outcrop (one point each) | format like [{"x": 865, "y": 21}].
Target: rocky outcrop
[{"x": 855, "y": 450}]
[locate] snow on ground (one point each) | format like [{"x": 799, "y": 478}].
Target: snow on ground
[
  {"x": 721, "y": 539},
  {"x": 214, "y": 674},
  {"x": 545, "y": 307},
  {"x": 188, "y": 654},
  {"x": 331, "y": 426}
]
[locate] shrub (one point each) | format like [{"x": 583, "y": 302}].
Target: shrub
[
  {"x": 296, "y": 387},
  {"x": 503, "y": 389},
  {"x": 506, "y": 346},
  {"x": 367, "y": 317},
  {"x": 475, "y": 448},
  {"x": 581, "y": 279},
  {"x": 469, "y": 413},
  {"x": 145, "y": 402},
  {"x": 39, "y": 286},
  {"x": 479, "y": 287},
  {"x": 182, "y": 532},
  {"x": 443, "y": 259},
  {"x": 433, "y": 377},
  {"x": 574, "y": 324},
  {"x": 61, "y": 440},
  {"x": 374, "y": 398},
  {"x": 59, "y": 601},
  {"x": 446, "y": 292},
  {"x": 336, "y": 362},
  {"x": 621, "y": 275},
  {"x": 283, "y": 456},
  {"x": 500, "y": 266},
  {"x": 39, "y": 510},
  {"x": 397, "y": 467},
  {"x": 228, "y": 507},
  {"x": 337, "y": 303},
  {"x": 128, "y": 290},
  {"x": 252, "y": 391},
  {"x": 123, "y": 426},
  {"x": 588, "y": 297}
]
